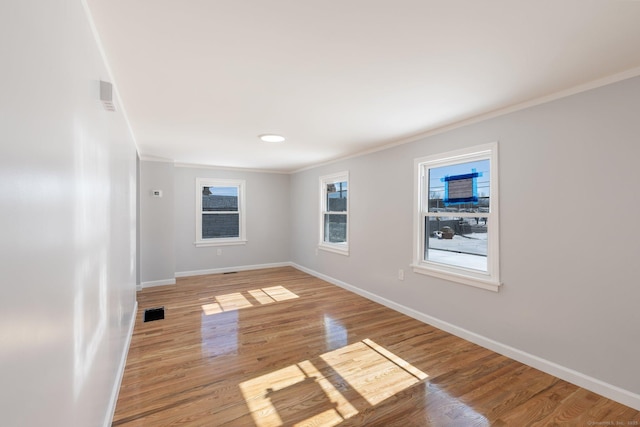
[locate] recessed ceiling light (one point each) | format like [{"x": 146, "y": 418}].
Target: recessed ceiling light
[{"x": 271, "y": 138}]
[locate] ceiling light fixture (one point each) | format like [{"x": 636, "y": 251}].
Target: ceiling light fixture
[{"x": 269, "y": 137}]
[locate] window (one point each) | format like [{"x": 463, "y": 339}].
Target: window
[
  {"x": 334, "y": 217},
  {"x": 456, "y": 216},
  {"x": 220, "y": 212}
]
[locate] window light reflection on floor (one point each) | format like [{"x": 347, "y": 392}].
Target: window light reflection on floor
[
  {"x": 337, "y": 385},
  {"x": 279, "y": 293},
  {"x": 233, "y": 301},
  {"x": 437, "y": 398},
  {"x": 237, "y": 301},
  {"x": 335, "y": 334},
  {"x": 261, "y": 296}
]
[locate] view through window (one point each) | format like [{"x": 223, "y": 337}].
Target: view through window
[
  {"x": 219, "y": 212},
  {"x": 451, "y": 238},
  {"x": 335, "y": 212},
  {"x": 456, "y": 222}
]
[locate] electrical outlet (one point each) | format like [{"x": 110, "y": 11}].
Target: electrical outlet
[
  {"x": 401, "y": 274},
  {"x": 219, "y": 251}
]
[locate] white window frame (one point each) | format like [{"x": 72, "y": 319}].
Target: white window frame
[
  {"x": 486, "y": 280},
  {"x": 221, "y": 241},
  {"x": 339, "y": 248}
]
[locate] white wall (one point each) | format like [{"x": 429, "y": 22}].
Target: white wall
[
  {"x": 67, "y": 221},
  {"x": 267, "y": 215},
  {"x": 157, "y": 232},
  {"x": 570, "y": 234},
  {"x": 168, "y": 224}
]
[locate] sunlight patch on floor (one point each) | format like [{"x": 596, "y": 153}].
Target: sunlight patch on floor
[
  {"x": 374, "y": 375},
  {"x": 261, "y": 296},
  {"x": 279, "y": 293},
  {"x": 336, "y": 386},
  {"x": 237, "y": 301}
]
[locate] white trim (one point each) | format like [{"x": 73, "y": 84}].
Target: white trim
[
  {"x": 228, "y": 168},
  {"x": 461, "y": 155},
  {"x": 231, "y": 269},
  {"x": 469, "y": 120},
  {"x": 490, "y": 279},
  {"x": 177, "y": 274},
  {"x": 338, "y": 248},
  {"x": 241, "y": 185},
  {"x": 149, "y": 158},
  {"x": 595, "y": 385},
  {"x": 436, "y": 129},
  {"x": 123, "y": 363},
  {"x": 220, "y": 242},
  {"x": 151, "y": 284},
  {"x": 460, "y": 214},
  {"x": 456, "y": 276}
]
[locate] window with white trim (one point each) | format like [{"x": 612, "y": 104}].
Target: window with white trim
[
  {"x": 220, "y": 212},
  {"x": 456, "y": 216},
  {"x": 334, "y": 213}
]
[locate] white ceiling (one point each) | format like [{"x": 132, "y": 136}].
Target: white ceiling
[{"x": 201, "y": 79}]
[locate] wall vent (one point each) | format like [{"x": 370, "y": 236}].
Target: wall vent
[
  {"x": 151, "y": 314},
  {"x": 106, "y": 96}
]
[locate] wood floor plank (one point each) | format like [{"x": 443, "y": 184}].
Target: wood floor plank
[{"x": 279, "y": 347}]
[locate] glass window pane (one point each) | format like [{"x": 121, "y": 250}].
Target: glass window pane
[
  {"x": 460, "y": 242},
  {"x": 335, "y": 228},
  {"x": 463, "y": 187},
  {"x": 337, "y": 197},
  {"x": 220, "y": 225},
  {"x": 220, "y": 199}
]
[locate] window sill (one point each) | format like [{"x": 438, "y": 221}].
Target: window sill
[
  {"x": 338, "y": 249},
  {"x": 465, "y": 279},
  {"x": 220, "y": 242}
]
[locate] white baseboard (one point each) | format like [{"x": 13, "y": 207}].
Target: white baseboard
[
  {"x": 231, "y": 269},
  {"x": 123, "y": 362},
  {"x": 165, "y": 282},
  {"x": 153, "y": 283},
  {"x": 592, "y": 384}
]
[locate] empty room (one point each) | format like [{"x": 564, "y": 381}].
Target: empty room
[{"x": 315, "y": 213}]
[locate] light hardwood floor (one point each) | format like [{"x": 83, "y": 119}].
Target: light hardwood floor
[{"x": 279, "y": 347}]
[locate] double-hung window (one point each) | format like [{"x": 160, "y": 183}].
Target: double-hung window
[
  {"x": 220, "y": 212},
  {"x": 334, "y": 215},
  {"x": 456, "y": 216}
]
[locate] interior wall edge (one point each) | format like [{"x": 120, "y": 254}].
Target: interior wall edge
[{"x": 111, "y": 409}]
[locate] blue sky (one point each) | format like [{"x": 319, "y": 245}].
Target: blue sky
[
  {"x": 437, "y": 174},
  {"x": 224, "y": 191}
]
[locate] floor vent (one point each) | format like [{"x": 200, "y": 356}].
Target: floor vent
[
  {"x": 151, "y": 314},
  {"x": 230, "y": 272}
]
